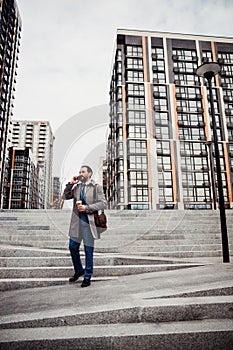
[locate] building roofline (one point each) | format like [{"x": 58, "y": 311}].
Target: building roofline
[{"x": 174, "y": 35}]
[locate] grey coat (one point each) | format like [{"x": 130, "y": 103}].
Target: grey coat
[{"x": 73, "y": 191}]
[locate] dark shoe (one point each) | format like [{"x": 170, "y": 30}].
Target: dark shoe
[
  {"x": 76, "y": 276},
  {"x": 85, "y": 283}
]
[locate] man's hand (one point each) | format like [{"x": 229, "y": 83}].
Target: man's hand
[
  {"x": 82, "y": 208},
  {"x": 74, "y": 180}
]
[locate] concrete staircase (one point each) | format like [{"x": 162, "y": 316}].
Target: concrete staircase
[
  {"x": 169, "y": 234},
  {"x": 154, "y": 285},
  {"x": 197, "y": 319},
  {"x": 33, "y": 267}
]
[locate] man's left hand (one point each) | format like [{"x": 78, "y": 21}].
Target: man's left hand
[{"x": 81, "y": 208}]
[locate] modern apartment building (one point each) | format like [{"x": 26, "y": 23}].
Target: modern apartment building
[
  {"x": 23, "y": 189},
  {"x": 160, "y": 152},
  {"x": 10, "y": 28},
  {"x": 38, "y": 137},
  {"x": 56, "y": 194}
]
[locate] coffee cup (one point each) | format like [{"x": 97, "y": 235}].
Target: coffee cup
[{"x": 78, "y": 203}]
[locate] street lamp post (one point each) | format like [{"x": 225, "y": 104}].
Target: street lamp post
[{"x": 208, "y": 71}]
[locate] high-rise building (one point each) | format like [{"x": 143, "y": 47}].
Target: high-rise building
[
  {"x": 160, "y": 151},
  {"x": 10, "y": 28},
  {"x": 38, "y": 136},
  {"x": 23, "y": 181},
  {"x": 56, "y": 195}
]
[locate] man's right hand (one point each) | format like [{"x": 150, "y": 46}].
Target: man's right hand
[{"x": 74, "y": 180}]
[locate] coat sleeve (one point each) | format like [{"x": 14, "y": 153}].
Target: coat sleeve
[
  {"x": 100, "y": 203},
  {"x": 68, "y": 192}
]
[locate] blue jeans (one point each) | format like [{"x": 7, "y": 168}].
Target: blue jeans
[{"x": 74, "y": 246}]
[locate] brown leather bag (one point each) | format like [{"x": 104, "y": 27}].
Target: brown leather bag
[{"x": 99, "y": 216}]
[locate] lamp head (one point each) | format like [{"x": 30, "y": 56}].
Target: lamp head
[{"x": 208, "y": 70}]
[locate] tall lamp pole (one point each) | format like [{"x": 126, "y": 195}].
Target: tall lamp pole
[{"x": 208, "y": 71}]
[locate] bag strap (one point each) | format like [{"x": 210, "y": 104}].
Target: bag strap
[{"x": 95, "y": 196}]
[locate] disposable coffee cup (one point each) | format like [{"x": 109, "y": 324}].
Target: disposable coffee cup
[{"x": 78, "y": 203}]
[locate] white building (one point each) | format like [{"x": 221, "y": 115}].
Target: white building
[{"x": 38, "y": 136}]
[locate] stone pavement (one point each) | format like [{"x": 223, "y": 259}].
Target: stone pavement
[{"x": 189, "y": 308}]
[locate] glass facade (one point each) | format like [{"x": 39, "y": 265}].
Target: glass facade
[
  {"x": 23, "y": 192},
  {"x": 160, "y": 152},
  {"x": 10, "y": 36}
]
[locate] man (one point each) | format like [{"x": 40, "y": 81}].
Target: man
[{"x": 88, "y": 198}]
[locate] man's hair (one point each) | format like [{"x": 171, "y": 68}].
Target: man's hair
[{"x": 89, "y": 170}]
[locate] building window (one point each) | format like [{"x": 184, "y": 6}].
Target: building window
[
  {"x": 136, "y": 76},
  {"x": 119, "y": 67},
  {"x": 137, "y": 147},
  {"x": 158, "y": 65},
  {"x": 135, "y": 51},
  {"x": 189, "y": 106},
  {"x": 196, "y": 194},
  {"x": 119, "y": 118},
  {"x": 135, "y": 89},
  {"x": 186, "y": 79},
  {"x": 119, "y": 134},
  {"x": 119, "y": 79},
  {"x": 192, "y": 134},
  {"x": 193, "y": 149},
  {"x": 165, "y": 195},
  {"x": 191, "y": 120},
  {"x": 137, "y": 162},
  {"x": 134, "y": 63},
  {"x": 120, "y": 196},
  {"x": 226, "y": 74},
  {"x": 120, "y": 151},
  {"x": 138, "y": 178},
  {"x": 136, "y": 131},
  {"x": 207, "y": 56},
  {"x": 136, "y": 102},
  {"x": 190, "y": 93},
  {"x": 160, "y": 104},
  {"x": 184, "y": 55},
  {"x": 227, "y": 70},
  {"x": 185, "y": 67},
  {"x": 119, "y": 93},
  {"x": 226, "y": 57},
  {"x": 138, "y": 194},
  {"x": 163, "y": 147},
  {"x": 159, "y": 78},
  {"x": 118, "y": 55},
  {"x": 157, "y": 53},
  {"x": 136, "y": 117},
  {"x": 161, "y": 118},
  {"x": 120, "y": 180},
  {"x": 120, "y": 165},
  {"x": 164, "y": 163},
  {"x": 190, "y": 179},
  {"x": 159, "y": 91},
  {"x": 162, "y": 132},
  {"x": 192, "y": 164}
]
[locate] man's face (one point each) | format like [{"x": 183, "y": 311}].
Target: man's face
[{"x": 83, "y": 171}]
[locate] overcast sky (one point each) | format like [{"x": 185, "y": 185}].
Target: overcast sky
[
  {"x": 66, "y": 59},
  {"x": 67, "y": 47}
]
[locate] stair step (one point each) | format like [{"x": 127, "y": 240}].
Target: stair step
[
  {"x": 205, "y": 334},
  {"x": 23, "y": 283},
  {"x": 62, "y": 260},
  {"x": 16, "y": 251},
  {"x": 173, "y": 232},
  {"x": 64, "y": 271},
  {"x": 152, "y": 311}
]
